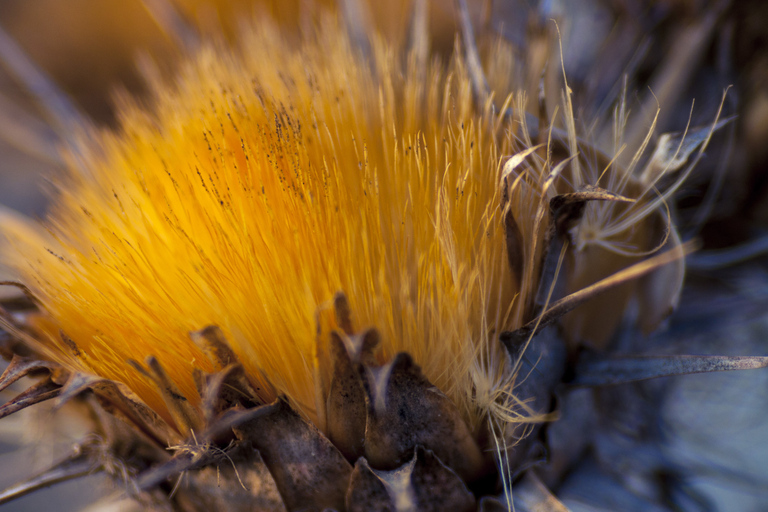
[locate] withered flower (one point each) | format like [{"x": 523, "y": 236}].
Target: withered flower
[{"x": 308, "y": 275}]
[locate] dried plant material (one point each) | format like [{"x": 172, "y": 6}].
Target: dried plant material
[
  {"x": 184, "y": 415},
  {"x": 676, "y": 69},
  {"x": 82, "y": 462},
  {"x": 343, "y": 314},
  {"x": 531, "y": 495},
  {"x": 423, "y": 484},
  {"x": 121, "y": 402},
  {"x": 24, "y": 366},
  {"x": 674, "y": 149},
  {"x": 540, "y": 364},
  {"x": 572, "y": 301},
  {"x": 308, "y": 470},
  {"x": 405, "y": 410},
  {"x": 565, "y": 211},
  {"x": 367, "y": 491},
  {"x": 40, "y": 392},
  {"x": 224, "y": 390},
  {"x": 347, "y": 410},
  {"x": 348, "y": 175},
  {"x": 211, "y": 340},
  {"x": 606, "y": 371},
  {"x": 237, "y": 480},
  {"x": 658, "y": 293}
]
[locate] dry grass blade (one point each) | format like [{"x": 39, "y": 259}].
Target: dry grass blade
[
  {"x": 607, "y": 371},
  {"x": 81, "y": 463}
]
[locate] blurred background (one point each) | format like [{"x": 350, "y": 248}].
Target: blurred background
[{"x": 703, "y": 437}]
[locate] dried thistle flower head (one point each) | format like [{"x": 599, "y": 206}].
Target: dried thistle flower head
[
  {"x": 270, "y": 177},
  {"x": 251, "y": 194}
]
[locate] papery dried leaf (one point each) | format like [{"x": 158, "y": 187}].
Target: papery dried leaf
[
  {"x": 405, "y": 410},
  {"x": 535, "y": 253},
  {"x": 309, "y": 471},
  {"x": 607, "y": 371},
  {"x": 508, "y": 170}
]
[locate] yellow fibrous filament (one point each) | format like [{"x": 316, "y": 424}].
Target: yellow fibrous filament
[{"x": 264, "y": 181}]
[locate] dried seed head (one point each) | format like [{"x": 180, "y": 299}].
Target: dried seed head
[
  {"x": 272, "y": 175},
  {"x": 252, "y": 192}
]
